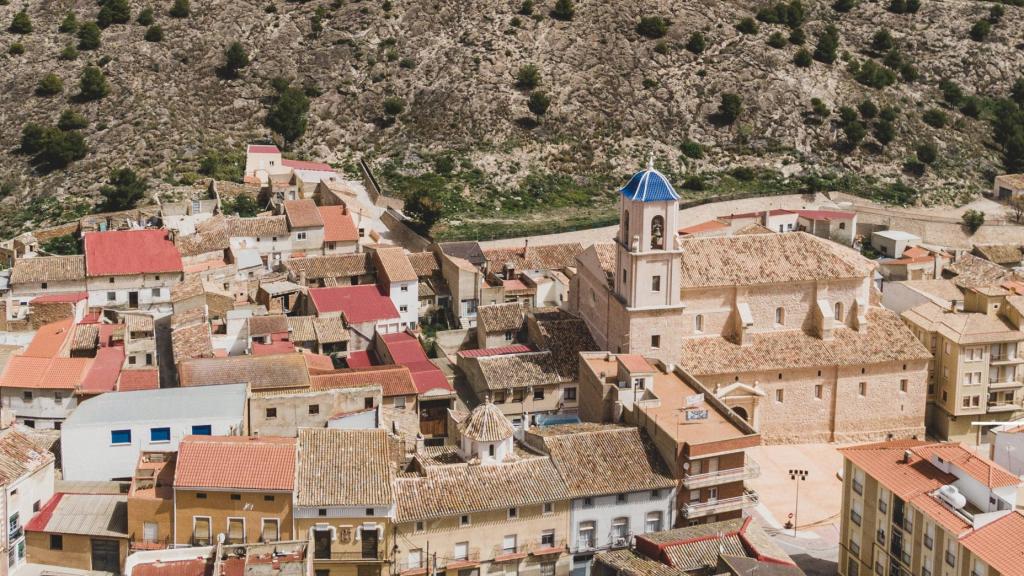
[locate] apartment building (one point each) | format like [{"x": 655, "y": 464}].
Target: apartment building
[
  {"x": 788, "y": 317},
  {"x": 975, "y": 374},
  {"x": 347, "y": 522},
  {"x": 238, "y": 486},
  {"x": 698, "y": 436},
  {"x": 915, "y": 507}
]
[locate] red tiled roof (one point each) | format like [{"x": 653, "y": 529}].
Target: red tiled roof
[
  {"x": 239, "y": 462},
  {"x": 775, "y": 212},
  {"x": 362, "y": 303},
  {"x": 826, "y": 214},
  {"x": 403, "y": 347},
  {"x": 338, "y": 224},
  {"x": 318, "y": 363},
  {"x": 128, "y": 252},
  {"x": 132, "y": 380},
  {"x": 106, "y": 367},
  {"x": 635, "y": 363},
  {"x": 281, "y": 347},
  {"x": 497, "y": 351},
  {"x": 302, "y": 213},
  {"x": 49, "y": 339},
  {"x": 53, "y": 373},
  {"x": 393, "y": 380},
  {"x": 703, "y": 227},
  {"x": 191, "y": 567},
  {"x": 406, "y": 350},
  {"x": 68, "y": 297},
  {"x": 263, "y": 149},
  {"x": 981, "y": 469},
  {"x": 303, "y": 165},
  {"x": 359, "y": 359},
  {"x": 883, "y": 461},
  {"x": 1000, "y": 544}
]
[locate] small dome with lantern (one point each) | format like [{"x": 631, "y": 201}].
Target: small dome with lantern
[{"x": 649, "y": 186}]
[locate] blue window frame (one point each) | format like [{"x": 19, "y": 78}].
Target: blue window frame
[
  {"x": 202, "y": 430},
  {"x": 159, "y": 434},
  {"x": 120, "y": 436}
]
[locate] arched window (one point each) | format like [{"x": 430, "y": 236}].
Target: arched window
[
  {"x": 839, "y": 311},
  {"x": 625, "y": 227},
  {"x": 657, "y": 232}
]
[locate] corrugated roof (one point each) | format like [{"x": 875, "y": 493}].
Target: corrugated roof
[
  {"x": 85, "y": 514},
  {"x": 240, "y": 462},
  {"x": 344, "y": 468}
]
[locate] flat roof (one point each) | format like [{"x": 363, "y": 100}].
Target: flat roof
[
  {"x": 145, "y": 406},
  {"x": 896, "y": 235}
]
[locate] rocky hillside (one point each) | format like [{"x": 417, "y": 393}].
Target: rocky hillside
[{"x": 615, "y": 95}]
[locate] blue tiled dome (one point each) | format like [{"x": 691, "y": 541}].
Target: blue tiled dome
[{"x": 649, "y": 186}]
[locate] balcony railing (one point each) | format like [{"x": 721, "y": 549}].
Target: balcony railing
[
  {"x": 14, "y": 533},
  {"x": 349, "y": 555},
  {"x": 1005, "y": 384},
  {"x": 508, "y": 554},
  {"x": 694, "y": 481},
  {"x": 697, "y": 509},
  {"x": 158, "y": 544},
  {"x": 414, "y": 567},
  {"x": 542, "y": 547},
  {"x": 471, "y": 558},
  {"x": 1003, "y": 406},
  {"x": 1005, "y": 358}
]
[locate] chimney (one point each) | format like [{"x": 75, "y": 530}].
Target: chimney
[{"x": 906, "y": 456}]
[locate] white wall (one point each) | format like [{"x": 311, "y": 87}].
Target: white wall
[
  {"x": 1008, "y": 451},
  {"x": 87, "y": 453},
  {"x": 22, "y": 495},
  {"x": 154, "y": 290},
  {"x": 44, "y": 408},
  {"x": 409, "y": 298},
  {"x": 606, "y": 509}
]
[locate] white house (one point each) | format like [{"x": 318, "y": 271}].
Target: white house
[
  {"x": 1008, "y": 446},
  {"x": 28, "y": 472},
  {"x": 398, "y": 279},
  {"x": 262, "y": 161},
  {"x": 103, "y": 438},
  {"x": 133, "y": 269},
  {"x": 892, "y": 243}
]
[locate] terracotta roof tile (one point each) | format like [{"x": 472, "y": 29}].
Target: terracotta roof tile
[
  {"x": 191, "y": 342},
  {"x": 1000, "y": 544},
  {"x": 129, "y": 252},
  {"x": 962, "y": 327},
  {"x": 394, "y": 264},
  {"x": 344, "y": 468},
  {"x": 54, "y": 373},
  {"x": 545, "y": 257},
  {"x": 1001, "y": 254},
  {"x": 48, "y": 269},
  {"x": 338, "y": 224},
  {"x": 969, "y": 271},
  {"x": 336, "y": 266},
  {"x": 239, "y": 462},
  {"x": 501, "y": 318},
  {"x": 516, "y": 371},
  {"x": 394, "y": 380},
  {"x": 330, "y": 330},
  {"x": 303, "y": 213},
  {"x": 132, "y": 380},
  {"x": 260, "y": 372},
  {"x": 20, "y": 454},
  {"x": 424, "y": 263},
  {"x": 267, "y": 325},
  {"x": 301, "y": 328},
  {"x": 258, "y": 227},
  {"x": 486, "y": 423},
  {"x": 362, "y": 303}
]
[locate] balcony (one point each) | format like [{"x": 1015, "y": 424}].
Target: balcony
[
  {"x": 1003, "y": 406},
  {"x": 694, "y": 481},
  {"x": 515, "y": 553},
  {"x": 699, "y": 509},
  {"x": 1005, "y": 359},
  {"x": 469, "y": 560},
  {"x": 349, "y": 555},
  {"x": 14, "y": 532},
  {"x": 413, "y": 568},
  {"x": 158, "y": 544},
  {"x": 1005, "y": 385},
  {"x": 547, "y": 548}
]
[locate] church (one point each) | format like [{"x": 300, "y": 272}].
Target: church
[{"x": 785, "y": 328}]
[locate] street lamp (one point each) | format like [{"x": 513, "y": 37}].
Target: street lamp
[{"x": 797, "y": 476}]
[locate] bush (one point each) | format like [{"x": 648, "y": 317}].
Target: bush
[
  {"x": 934, "y": 117},
  {"x": 971, "y": 106},
  {"x": 51, "y": 147},
  {"x": 854, "y": 132},
  {"x": 538, "y": 103},
  {"x": 797, "y": 37},
  {"x": 867, "y": 109},
  {"x": 444, "y": 165},
  {"x": 93, "y": 84},
  {"x": 908, "y": 72},
  {"x": 743, "y": 173},
  {"x": 526, "y": 8},
  {"x": 662, "y": 47},
  {"x": 393, "y": 106},
  {"x": 32, "y": 138},
  {"x": 882, "y": 41},
  {"x": 220, "y": 165},
  {"x": 889, "y": 113},
  {"x": 803, "y": 58},
  {"x": 693, "y": 182},
  {"x": 123, "y": 191},
  {"x": 846, "y": 115},
  {"x": 692, "y": 149},
  {"x": 996, "y": 13},
  {"x": 235, "y": 58},
  {"x": 89, "y": 36},
  {"x": 927, "y": 152},
  {"x": 980, "y": 31},
  {"x": 653, "y": 27},
  {"x": 729, "y": 107},
  {"x": 244, "y": 205},
  {"x": 66, "y": 245},
  {"x": 791, "y": 14},
  {"x": 69, "y": 25},
  {"x": 776, "y": 40},
  {"x": 747, "y": 26},
  {"x": 154, "y": 33},
  {"x": 844, "y": 5},
  {"x": 181, "y": 9},
  {"x": 818, "y": 108},
  {"x": 16, "y": 49},
  {"x": 528, "y": 77},
  {"x": 145, "y": 17},
  {"x": 884, "y": 131},
  {"x": 973, "y": 219},
  {"x": 951, "y": 92},
  {"x": 904, "y": 6},
  {"x": 50, "y": 85},
  {"x": 563, "y": 10},
  {"x": 20, "y": 24},
  {"x": 828, "y": 45},
  {"x": 69, "y": 52},
  {"x": 287, "y": 115},
  {"x": 873, "y": 75},
  {"x": 697, "y": 43},
  {"x": 113, "y": 12},
  {"x": 71, "y": 120}
]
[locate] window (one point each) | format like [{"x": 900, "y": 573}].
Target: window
[
  {"x": 780, "y": 316},
  {"x": 367, "y": 403},
  {"x": 464, "y": 520},
  {"x": 131, "y": 360},
  {"x": 620, "y": 530},
  {"x": 301, "y": 236},
  {"x": 538, "y": 393},
  {"x": 420, "y": 527},
  {"x": 852, "y": 567},
  {"x": 858, "y": 481},
  {"x": 404, "y": 289},
  {"x": 655, "y": 493},
  {"x": 653, "y": 522},
  {"x": 26, "y": 395},
  {"x": 585, "y": 535},
  {"x": 657, "y": 232},
  {"x": 623, "y": 275},
  {"x": 368, "y": 511},
  {"x": 655, "y": 283},
  {"x": 156, "y": 292},
  {"x": 236, "y": 531},
  {"x": 903, "y": 385},
  {"x": 569, "y": 393},
  {"x": 839, "y": 312},
  {"x": 403, "y": 308},
  {"x": 58, "y": 396},
  {"x": 508, "y": 544},
  {"x": 271, "y": 413},
  {"x": 818, "y": 391},
  {"x": 236, "y": 496},
  {"x": 862, "y": 388},
  {"x": 268, "y": 497},
  {"x": 842, "y": 225},
  {"x": 490, "y": 450},
  {"x": 780, "y": 395},
  {"x": 56, "y": 542},
  {"x": 37, "y": 505},
  {"x": 200, "y": 531},
  {"x": 588, "y": 502},
  {"x": 951, "y": 544},
  {"x": 967, "y": 401},
  {"x": 32, "y": 423},
  {"x": 656, "y": 341},
  {"x": 44, "y": 285},
  {"x": 159, "y": 434},
  {"x": 111, "y": 280},
  {"x": 461, "y": 551},
  {"x": 972, "y": 378},
  {"x": 362, "y": 232},
  {"x": 202, "y": 430},
  {"x": 111, "y": 296},
  {"x": 314, "y": 409},
  {"x": 121, "y": 437},
  {"x": 513, "y": 513},
  {"x": 698, "y": 323},
  {"x": 149, "y": 359},
  {"x": 547, "y": 569},
  {"x": 929, "y": 535},
  {"x": 549, "y": 508},
  {"x": 547, "y": 538},
  {"x": 200, "y": 496},
  {"x": 508, "y": 335},
  {"x": 620, "y": 498},
  {"x": 321, "y": 512},
  {"x": 271, "y": 531}
]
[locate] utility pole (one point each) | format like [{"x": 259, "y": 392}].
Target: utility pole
[{"x": 797, "y": 476}]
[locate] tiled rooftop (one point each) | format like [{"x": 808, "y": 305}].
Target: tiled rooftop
[{"x": 255, "y": 463}]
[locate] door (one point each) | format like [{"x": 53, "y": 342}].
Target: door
[
  {"x": 369, "y": 539},
  {"x": 133, "y": 299},
  {"x": 322, "y": 544},
  {"x": 106, "y": 556}
]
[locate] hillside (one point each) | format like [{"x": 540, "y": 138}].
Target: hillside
[{"x": 615, "y": 97}]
